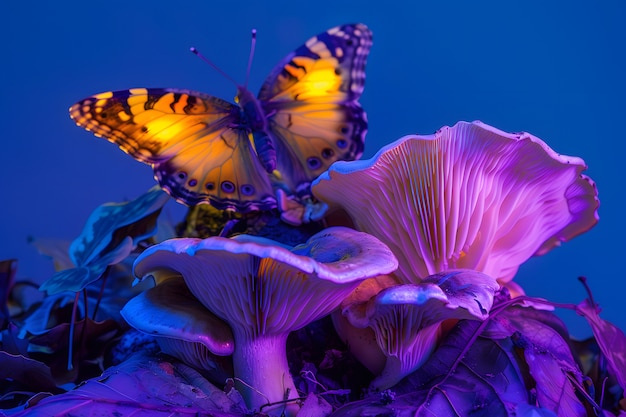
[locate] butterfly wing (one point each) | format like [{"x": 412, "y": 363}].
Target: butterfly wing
[
  {"x": 311, "y": 103},
  {"x": 195, "y": 143}
]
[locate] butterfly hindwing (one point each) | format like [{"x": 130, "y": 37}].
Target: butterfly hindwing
[
  {"x": 199, "y": 150},
  {"x": 311, "y": 99},
  {"x": 227, "y": 174}
]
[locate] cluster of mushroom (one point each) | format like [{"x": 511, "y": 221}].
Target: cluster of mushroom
[
  {"x": 443, "y": 222},
  {"x": 468, "y": 197}
]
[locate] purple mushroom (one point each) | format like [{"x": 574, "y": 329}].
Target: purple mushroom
[
  {"x": 264, "y": 290},
  {"x": 406, "y": 319},
  {"x": 469, "y": 196},
  {"x": 183, "y": 327}
]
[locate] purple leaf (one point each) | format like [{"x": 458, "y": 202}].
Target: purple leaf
[
  {"x": 485, "y": 375},
  {"x": 547, "y": 353},
  {"x": 141, "y": 386},
  {"x": 540, "y": 329},
  {"x": 553, "y": 388},
  {"x": 29, "y": 373},
  {"x": 457, "y": 380},
  {"x": 611, "y": 341}
]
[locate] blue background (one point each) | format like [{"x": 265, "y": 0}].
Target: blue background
[{"x": 555, "y": 69}]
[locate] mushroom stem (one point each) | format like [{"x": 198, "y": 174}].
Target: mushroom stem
[
  {"x": 411, "y": 353},
  {"x": 260, "y": 362}
]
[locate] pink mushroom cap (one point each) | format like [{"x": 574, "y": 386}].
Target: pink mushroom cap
[{"x": 469, "y": 196}]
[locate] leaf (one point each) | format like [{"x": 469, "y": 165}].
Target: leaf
[
  {"x": 547, "y": 354},
  {"x": 111, "y": 233},
  {"x": 611, "y": 341},
  {"x": 118, "y": 289},
  {"x": 554, "y": 390},
  {"x": 29, "y": 373},
  {"x": 7, "y": 280},
  {"x": 520, "y": 365},
  {"x": 48, "y": 314},
  {"x": 11, "y": 342},
  {"x": 76, "y": 279},
  {"x": 98, "y": 233},
  {"x": 56, "y": 249},
  {"x": 89, "y": 342},
  {"x": 481, "y": 379},
  {"x": 539, "y": 328},
  {"x": 141, "y": 386},
  {"x": 315, "y": 406}
]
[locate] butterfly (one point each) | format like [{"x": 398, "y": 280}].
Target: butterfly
[{"x": 258, "y": 154}]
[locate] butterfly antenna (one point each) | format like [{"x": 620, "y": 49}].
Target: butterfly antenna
[
  {"x": 252, "y": 46},
  {"x": 208, "y": 61}
]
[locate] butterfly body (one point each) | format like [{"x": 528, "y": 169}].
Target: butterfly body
[
  {"x": 237, "y": 156},
  {"x": 254, "y": 119}
]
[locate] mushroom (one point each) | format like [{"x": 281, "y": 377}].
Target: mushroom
[
  {"x": 183, "y": 327},
  {"x": 264, "y": 290},
  {"x": 469, "y": 196},
  {"x": 406, "y": 319}
]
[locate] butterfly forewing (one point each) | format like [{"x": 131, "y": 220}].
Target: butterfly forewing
[
  {"x": 329, "y": 66},
  {"x": 195, "y": 143},
  {"x": 311, "y": 103}
]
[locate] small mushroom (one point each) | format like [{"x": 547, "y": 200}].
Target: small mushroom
[
  {"x": 469, "y": 196},
  {"x": 183, "y": 327},
  {"x": 361, "y": 341},
  {"x": 406, "y": 319},
  {"x": 264, "y": 290}
]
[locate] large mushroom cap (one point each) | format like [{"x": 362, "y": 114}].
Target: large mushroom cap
[
  {"x": 251, "y": 279},
  {"x": 469, "y": 196}
]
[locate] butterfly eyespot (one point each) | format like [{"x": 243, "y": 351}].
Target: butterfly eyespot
[
  {"x": 144, "y": 129},
  {"x": 247, "y": 189},
  {"x": 210, "y": 186},
  {"x": 327, "y": 153},
  {"x": 342, "y": 143},
  {"x": 313, "y": 162},
  {"x": 182, "y": 175},
  {"x": 337, "y": 71},
  {"x": 192, "y": 183},
  {"x": 228, "y": 187}
]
